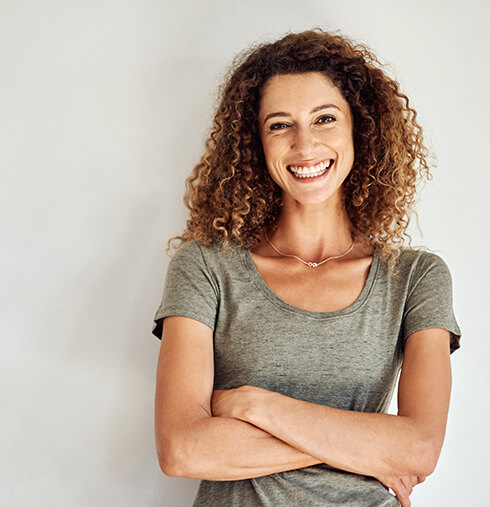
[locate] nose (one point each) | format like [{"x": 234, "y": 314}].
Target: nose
[{"x": 304, "y": 141}]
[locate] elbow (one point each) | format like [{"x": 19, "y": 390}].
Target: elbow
[
  {"x": 178, "y": 449},
  {"x": 168, "y": 458},
  {"x": 432, "y": 452},
  {"x": 425, "y": 458},
  {"x": 169, "y": 467},
  {"x": 174, "y": 462}
]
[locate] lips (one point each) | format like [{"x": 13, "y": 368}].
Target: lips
[{"x": 301, "y": 171}]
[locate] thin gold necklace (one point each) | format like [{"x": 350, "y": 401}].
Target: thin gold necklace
[{"x": 311, "y": 264}]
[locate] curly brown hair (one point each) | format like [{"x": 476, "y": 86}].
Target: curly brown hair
[{"x": 230, "y": 193}]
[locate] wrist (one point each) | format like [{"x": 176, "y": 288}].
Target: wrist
[{"x": 261, "y": 406}]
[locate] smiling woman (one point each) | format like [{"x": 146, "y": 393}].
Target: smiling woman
[
  {"x": 292, "y": 303},
  {"x": 309, "y": 150}
]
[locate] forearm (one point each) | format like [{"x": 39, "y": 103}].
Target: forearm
[
  {"x": 226, "y": 449},
  {"x": 373, "y": 444},
  {"x": 363, "y": 443}
]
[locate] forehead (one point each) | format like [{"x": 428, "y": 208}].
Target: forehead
[{"x": 286, "y": 91}]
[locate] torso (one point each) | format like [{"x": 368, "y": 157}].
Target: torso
[{"x": 328, "y": 288}]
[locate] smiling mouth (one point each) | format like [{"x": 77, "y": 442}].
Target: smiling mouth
[{"x": 314, "y": 171}]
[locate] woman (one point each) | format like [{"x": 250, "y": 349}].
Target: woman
[{"x": 292, "y": 304}]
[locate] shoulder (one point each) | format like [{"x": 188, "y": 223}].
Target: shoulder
[
  {"x": 425, "y": 268},
  {"x": 193, "y": 251},
  {"x": 418, "y": 261},
  {"x": 187, "y": 248},
  {"x": 416, "y": 268},
  {"x": 212, "y": 258},
  {"x": 196, "y": 247}
]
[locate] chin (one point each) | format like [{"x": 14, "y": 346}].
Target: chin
[{"x": 312, "y": 199}]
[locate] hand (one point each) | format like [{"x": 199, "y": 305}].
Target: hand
[
  {"x": 236, "y": 403},
  {"x": 402, "y": 486}
]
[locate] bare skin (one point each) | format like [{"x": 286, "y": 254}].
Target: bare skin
[{"x": 306, "y": 126}]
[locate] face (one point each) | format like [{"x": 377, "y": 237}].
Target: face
[{"x": 306, "y": 131}]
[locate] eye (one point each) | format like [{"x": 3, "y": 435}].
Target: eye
[
  {"x": 328, "y": 118},
  {"x": 278, "y": 126}
]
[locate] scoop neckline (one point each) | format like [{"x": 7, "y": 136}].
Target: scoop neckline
[{"x": 264, "y": 288}]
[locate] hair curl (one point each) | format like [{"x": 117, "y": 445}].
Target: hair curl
[{"x": 230, "y": 193}]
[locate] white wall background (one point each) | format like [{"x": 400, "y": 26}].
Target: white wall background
[{"x": 103, "y": 110}]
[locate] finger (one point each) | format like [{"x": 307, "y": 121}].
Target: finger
[
  {"x": 414, "y": 480},
  {"x": 401, "y": 493},
  {"x": 404, "y": 500},
  {"x": 407, "y": 483}
]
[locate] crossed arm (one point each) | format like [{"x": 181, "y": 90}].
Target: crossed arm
[{"x": 250, "y": 432}]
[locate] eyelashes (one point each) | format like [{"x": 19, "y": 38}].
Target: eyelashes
[
  {"x": 324, "y": 119},
  {"x": 278, "y": 126},
  {"x": 328, "y": 119}
]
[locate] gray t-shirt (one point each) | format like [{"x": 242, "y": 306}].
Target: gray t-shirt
[{"x": 348, "y": 359}]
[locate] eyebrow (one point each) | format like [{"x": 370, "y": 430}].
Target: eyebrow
[{"x": 314, "y": 110}]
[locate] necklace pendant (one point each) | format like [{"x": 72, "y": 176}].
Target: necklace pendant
[{"x": 313, "y": 264}]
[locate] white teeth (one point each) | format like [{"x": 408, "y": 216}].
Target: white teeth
[{"x": 312, "y": 171}]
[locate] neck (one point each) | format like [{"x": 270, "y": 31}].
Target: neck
[{"x": 312, "y": 231}]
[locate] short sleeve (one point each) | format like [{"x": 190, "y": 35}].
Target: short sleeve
[
  {"x": 429, "y": 302},
  {"x": 189, "y": 289}
]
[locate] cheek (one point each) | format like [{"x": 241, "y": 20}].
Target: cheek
[
  {"x": 273, "y": 162},
  {"x": 349, "y": 149},
  {"x": 277, "y": 146},
  {"x": 271, "y": 153},
  {"x": 343, "y": 144}
]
